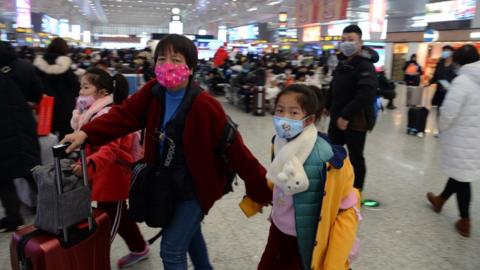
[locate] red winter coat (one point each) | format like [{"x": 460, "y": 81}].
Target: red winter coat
[
  {"x": 109, "y": 169},
  {"x": 221, "y": 56},
  {"x": 109, "y": 165},
  {"x": 203, "y": 129}
]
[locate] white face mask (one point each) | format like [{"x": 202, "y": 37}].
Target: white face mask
[{"x": 348, "y": 48}]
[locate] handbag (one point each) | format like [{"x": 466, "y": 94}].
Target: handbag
[
  {"x": 45, "y": 115},
  {"x": 151, "y": 197}
]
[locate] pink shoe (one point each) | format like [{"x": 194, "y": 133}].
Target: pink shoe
[{"x": 133, "y": 258}]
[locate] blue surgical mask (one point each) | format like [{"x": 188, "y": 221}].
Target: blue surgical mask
[
  {"x": 446, "y": 54},
  {"x": 287, "y": 128}
]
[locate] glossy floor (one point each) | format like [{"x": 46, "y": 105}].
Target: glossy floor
[{"x": 403, "y": 233}]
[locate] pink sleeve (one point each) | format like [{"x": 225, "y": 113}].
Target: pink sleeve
[{"x": 351, "y": 202}]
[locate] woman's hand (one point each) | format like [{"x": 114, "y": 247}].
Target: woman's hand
[{"x": 75, "y": 139}]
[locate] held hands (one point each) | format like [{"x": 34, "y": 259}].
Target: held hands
[
  {"x": 342, "y": 124},
  {"x": 77, "y": 170},
  {"x": 75, "y": 139}
]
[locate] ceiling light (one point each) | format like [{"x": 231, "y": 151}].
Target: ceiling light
[
  {"x": 252, "y": 9},
  {"x": 175, "y": 11},
  {"x": 274, "y": 3}
]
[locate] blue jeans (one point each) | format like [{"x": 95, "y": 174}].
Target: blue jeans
[{"x": 184, "y": 234}]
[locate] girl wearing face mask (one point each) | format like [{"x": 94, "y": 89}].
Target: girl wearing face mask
[
  {"x": 183, "y": 127},
  {"x": 109, "y": 165},
  {"x": 315, "y": 207}
]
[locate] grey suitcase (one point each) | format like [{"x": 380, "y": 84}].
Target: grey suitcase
[
  {"x": 414, "y": 96},
  {"x": 63, "y": 198}
]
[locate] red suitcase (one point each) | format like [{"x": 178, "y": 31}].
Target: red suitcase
[
  {"x": 85, "y": 246},
  {"x": 44, "y": 251}
]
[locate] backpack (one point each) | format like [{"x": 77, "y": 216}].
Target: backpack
[{"x": 411, "y": 69}]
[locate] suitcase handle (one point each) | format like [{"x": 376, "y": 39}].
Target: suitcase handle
[{"x": 58, "y": 154}]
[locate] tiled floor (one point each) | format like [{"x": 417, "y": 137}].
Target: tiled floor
[{"x": 402, "y": 234}]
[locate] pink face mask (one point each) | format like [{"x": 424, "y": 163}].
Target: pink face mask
[
  {"x": 84, "y": 102},
  {"x": 171, "y": 76}
]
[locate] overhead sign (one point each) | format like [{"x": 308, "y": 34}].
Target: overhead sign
[
  {"x": 377, "y": 15},
  {"x": 311, "y": 33},
  {"x": 331, "y": 38},
  {"x": 315, "y": 11},
  {"x": 245, "y": 32},
  {"x": 24, "y": 13},
  {"x": 430, "y": 35},
  {"x": 453, "y": 10}
]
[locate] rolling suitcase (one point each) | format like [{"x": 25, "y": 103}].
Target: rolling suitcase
[
  {"x": 84, "y": 245},
  {"x": 414, "y": 96},
  {"x": 417, "y": 120},
  {"x": 259, "y": 101}
]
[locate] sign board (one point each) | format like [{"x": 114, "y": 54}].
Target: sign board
[{"x": 316, "y": 11}]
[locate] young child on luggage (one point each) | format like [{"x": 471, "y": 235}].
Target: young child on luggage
[
  {"x": 315, "y": 214},
  {"x": 109, "y": 166}
]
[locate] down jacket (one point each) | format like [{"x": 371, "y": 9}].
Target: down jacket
[
  {"x": 60, "y": 82},
  {"x": 19, "y": 146},
  {"x": 460, "y": 126}
]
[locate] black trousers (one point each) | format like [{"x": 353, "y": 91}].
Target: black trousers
[
  {"x": 355, "y": 142},
  {"x": 10, "y": 200},
  {"x": 464, "y": 195}
]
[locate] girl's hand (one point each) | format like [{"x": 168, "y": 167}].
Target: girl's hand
[
  {"x": 77, "y": 170},
  {"x": 75, "y": 139},
  {"x": 342, "y": 124}
]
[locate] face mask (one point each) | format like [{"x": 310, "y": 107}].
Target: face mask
[
  {"x": 171, "y": 76},
  {"x": 287, "y": 128},
  {"x": 348, "y": 48},
  {"x": 84, "y": 102},
  {"x": 446, "y": 54}
]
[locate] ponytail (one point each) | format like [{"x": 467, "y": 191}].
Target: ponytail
[
  {"x": 321, "y": 101},
  {"x": 120, "y": 88},
  {"x": 116, "y": 85}
]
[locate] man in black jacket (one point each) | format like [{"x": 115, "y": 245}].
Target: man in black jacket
[
  {"x": 19, "y": 146},
  {"x": 353, "y": 92}
]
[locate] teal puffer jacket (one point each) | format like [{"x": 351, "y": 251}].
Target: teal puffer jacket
[{"x": 308, "y": 204}]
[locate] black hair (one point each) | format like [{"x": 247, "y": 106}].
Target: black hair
[
  {"x": 58, "y": 46},
  {"x": 309, "y": 97},
  {"x": 178, "y": 44},
  {"x": 448, "y": 47},
  {"x": 7, "y": 53},
  {"x": 352, "y": 28},
  {"x": 413, "y": 55},
  {"x": 102, "y": 62},
  {"x": 116, "y": 85},
  {"x": 465, "y": 55}
]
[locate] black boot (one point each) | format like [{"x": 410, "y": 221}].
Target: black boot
[{"x": 10, "y": 225}]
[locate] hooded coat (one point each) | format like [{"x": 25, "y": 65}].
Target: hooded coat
[
  {"x": 60, "y": 82},
  {"x": 460, "y": 126},
  {"x": 19, "y": 146},
  {"x": 353, "y": 90}
]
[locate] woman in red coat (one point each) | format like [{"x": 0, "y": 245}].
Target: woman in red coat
[
  {"x": 202, "y": 176},
  {"x": 109, "y": 165}
]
